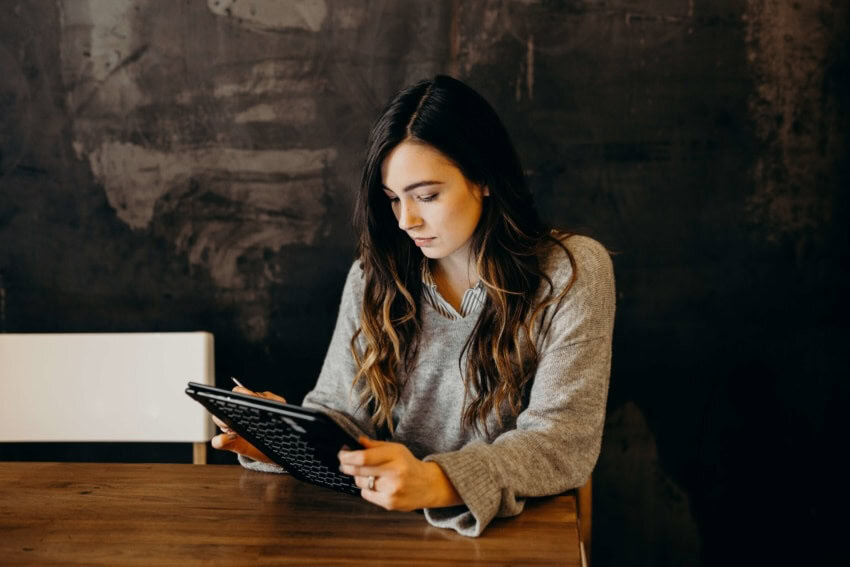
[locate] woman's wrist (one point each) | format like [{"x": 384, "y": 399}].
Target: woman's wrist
[{"x": 444, "y": 493}]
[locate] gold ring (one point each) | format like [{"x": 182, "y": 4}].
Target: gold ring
[{"x": 371, "y": 482}]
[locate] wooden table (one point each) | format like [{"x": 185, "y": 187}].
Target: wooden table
[{"x": 124, "y": 514}]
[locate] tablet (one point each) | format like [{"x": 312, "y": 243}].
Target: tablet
[{"x": 303, "y": 441}]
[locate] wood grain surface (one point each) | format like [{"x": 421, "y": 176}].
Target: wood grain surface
[{"x": 130, "y": 514}]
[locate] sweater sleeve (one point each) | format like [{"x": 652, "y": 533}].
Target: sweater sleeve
[
  {"x": 558, "y": 434},
  {"x": 332, "y": 394}
]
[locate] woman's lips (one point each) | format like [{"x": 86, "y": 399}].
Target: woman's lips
[{"x": 423, "y": 241}]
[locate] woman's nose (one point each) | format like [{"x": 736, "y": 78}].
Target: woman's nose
[{"x": 408, "y": 217}]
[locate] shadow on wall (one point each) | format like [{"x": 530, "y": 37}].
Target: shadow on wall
[{"x": 639, "y": 502}]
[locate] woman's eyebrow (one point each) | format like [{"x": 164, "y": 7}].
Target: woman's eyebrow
[{"x": 413, "y": 186}]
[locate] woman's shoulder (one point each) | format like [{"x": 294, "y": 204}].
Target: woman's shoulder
[
  {"x": 352, "y": 291},
  {"x": 591, "y": 262},
  {"x": 355, "y": 271},
  {"x": 354, "y": 279}
]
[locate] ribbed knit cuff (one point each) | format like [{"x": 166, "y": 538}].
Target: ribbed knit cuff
[
  {"x": 260, "y": 466},
  {"x": 473, "y": 480}
]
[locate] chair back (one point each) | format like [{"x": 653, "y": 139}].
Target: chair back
[{"x": 120, "y": 387}]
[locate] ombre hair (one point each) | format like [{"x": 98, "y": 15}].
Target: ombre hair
[{"x": 507, "y": 245}]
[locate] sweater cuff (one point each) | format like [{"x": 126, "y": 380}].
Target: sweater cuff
[
  {"x": 473, "y": 480},
  {"x": 260, "y": 466}
]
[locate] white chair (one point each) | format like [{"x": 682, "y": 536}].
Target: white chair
[{"x": 92, "y": 387}]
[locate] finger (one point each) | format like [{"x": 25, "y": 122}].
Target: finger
[
  {"x": 221, "y": 425},
  {"x": 363, "y": 471},
  {"x": 368, "y": 457},
  {"x": 224, "y": 441},
  {"x": 374, "y": 496},
  {"x": 267, "y": 395},
  {"x": 370, "y": 443},
  {"x": 272, "y": 396},
  {"x": 362, "y": 482}
]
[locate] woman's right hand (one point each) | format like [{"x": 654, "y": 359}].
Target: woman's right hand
[{"x": 229, "y": 440}]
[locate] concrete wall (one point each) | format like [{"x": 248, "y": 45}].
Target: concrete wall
[{"x": 191, "y": 165}]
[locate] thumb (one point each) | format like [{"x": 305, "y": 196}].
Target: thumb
[
  {"x": 237, "y": 444},
  {"x": 369, "y": 443}
]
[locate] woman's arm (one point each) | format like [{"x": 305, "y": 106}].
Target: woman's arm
[{"x": 558, "y": 435}]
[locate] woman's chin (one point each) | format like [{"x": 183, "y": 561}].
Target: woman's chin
[{"x": 431, "y": 253}]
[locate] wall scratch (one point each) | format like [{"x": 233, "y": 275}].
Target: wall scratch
[{"x": 529, "y": 67}]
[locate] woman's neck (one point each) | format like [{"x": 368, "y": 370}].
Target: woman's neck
[{"x": 453, "y": 277}]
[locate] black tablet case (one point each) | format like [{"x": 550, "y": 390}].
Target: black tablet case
[{"x": 303, "y": 441}]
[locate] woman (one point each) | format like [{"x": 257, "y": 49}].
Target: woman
[{"x": 474, "y": 341}]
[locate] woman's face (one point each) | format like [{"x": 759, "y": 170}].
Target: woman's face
[{"x": 433, "y": 202}]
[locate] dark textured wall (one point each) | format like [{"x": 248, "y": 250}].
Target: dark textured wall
[{"x": 191, "y": 165}]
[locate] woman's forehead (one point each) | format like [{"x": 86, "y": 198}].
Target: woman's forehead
[{"x": 410, "y": 161}]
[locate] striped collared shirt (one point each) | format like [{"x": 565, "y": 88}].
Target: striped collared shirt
[{"x": 473, "y": 298}]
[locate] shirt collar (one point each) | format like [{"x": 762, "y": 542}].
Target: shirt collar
[{"x": 428, "y": 278}]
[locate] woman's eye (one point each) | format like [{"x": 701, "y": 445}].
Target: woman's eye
[{"x": 426, "y": 198}]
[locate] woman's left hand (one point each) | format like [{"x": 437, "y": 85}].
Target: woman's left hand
[{"x": 402, "y": 482}]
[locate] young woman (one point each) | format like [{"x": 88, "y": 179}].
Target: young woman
[{"x": 472, "y": 351}]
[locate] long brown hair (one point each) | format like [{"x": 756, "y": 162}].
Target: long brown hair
[{"x": 508, "y": 245}]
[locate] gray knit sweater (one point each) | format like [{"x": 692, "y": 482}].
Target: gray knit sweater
[{"x": 550, "y": 447}]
